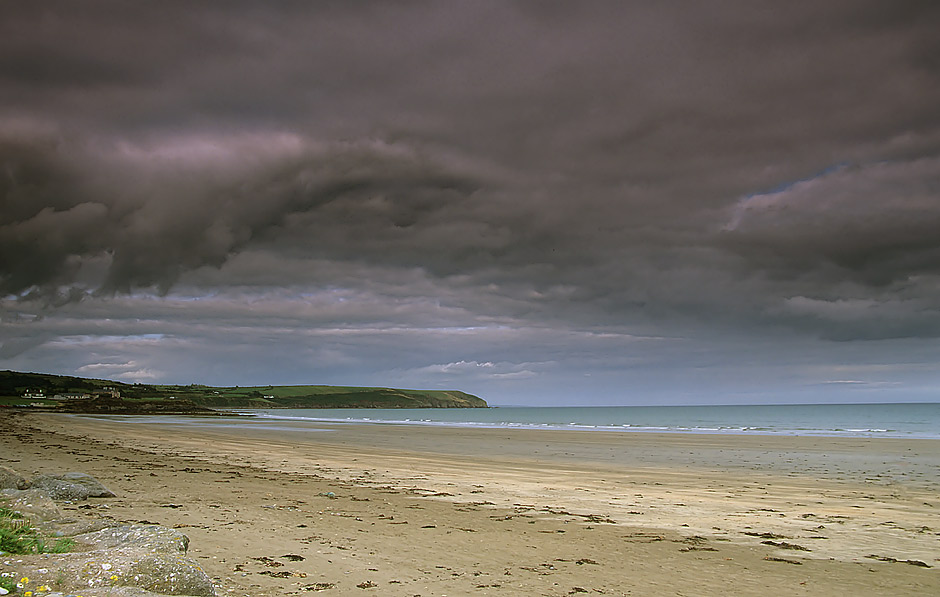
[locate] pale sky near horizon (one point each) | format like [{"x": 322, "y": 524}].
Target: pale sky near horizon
[{"x": 534, "y": 202}]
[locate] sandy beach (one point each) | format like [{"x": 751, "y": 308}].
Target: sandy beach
[{"x": 295, "y": 508}]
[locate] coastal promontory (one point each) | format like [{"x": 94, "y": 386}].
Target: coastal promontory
[{"x": 77, "y": 394}]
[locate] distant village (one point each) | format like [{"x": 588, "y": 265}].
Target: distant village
[{"x": 105, "y": 392}]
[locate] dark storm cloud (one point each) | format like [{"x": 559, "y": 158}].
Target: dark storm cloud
[
  {"x": 854, "y": 251},
  {"x": 190, "y": 202},
  {"x": 667, "y": 167},
  {"x": 877, "y": 224}
]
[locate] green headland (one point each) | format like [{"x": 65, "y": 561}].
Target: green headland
[{"x": 78, "y": 394}]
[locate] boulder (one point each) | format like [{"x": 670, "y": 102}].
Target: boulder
[
  {"x": 34, "y": 504},
  {"x": 170, "y": 575},
  {"x": 126, "y": 570},
  {"x": 138, "y": 560},
  {"x": 150, "y": 537},
  {"x": 71, "y": 486},
  {"x": 69, "y": 527},
  {"x": 109, "y": 592},
  {"x": 10, "y": 479}
]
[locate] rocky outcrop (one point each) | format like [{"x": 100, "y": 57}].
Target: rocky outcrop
[
  {"x": 108, "y": 592},
  {"x": 112, "y": 405},
  {"x": 118, "y": 566},
  {"x": 33, "y": 504},
  {"x": 150, "y": 537},
  {"x": 71, "y": 486},
  {"x": 10, "y": 479},
  {"x": 105, "y": 558}
]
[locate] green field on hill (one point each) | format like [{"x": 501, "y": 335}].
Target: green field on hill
[{"x": 37, "y": 389}]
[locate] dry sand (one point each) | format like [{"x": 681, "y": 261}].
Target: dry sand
[{"x": 294, "y": 508}]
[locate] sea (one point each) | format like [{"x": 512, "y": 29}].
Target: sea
[{"x": 904, "y": 420}]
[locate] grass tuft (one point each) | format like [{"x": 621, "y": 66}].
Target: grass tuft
[{"x": 17, "y": 536}]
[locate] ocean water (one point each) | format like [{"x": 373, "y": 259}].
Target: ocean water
[{"x": 906, "y": 420}]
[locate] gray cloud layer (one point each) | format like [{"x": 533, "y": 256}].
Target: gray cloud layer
[{"x": 681, "y": 170}]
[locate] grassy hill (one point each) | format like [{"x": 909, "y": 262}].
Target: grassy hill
[{"x": 14, "y": 385}]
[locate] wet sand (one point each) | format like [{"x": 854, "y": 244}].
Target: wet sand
[{"x": 293, "y": 508}]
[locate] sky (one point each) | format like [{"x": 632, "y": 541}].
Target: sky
[{"x": 540, "y": 203}]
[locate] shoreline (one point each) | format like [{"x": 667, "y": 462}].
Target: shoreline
[
  {"x": 527, "y": 497},
  {"x": 912, "y": 421},
  {"x": 749, "y": 432},
  {"x": 912, "y": 461}
]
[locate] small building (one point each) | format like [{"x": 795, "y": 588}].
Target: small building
[
  {"x": 72, "y": 396},
  {"x": 34, "y": 394}
]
